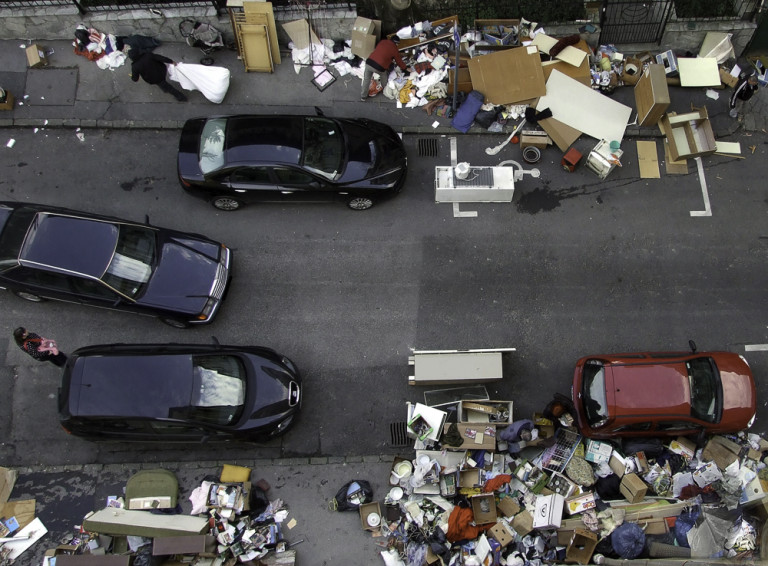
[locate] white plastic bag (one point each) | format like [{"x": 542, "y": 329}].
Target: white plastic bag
[{"x": 213, "y": 82}]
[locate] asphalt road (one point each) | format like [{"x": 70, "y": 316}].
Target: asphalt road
[{"x": 574, "y": 266}]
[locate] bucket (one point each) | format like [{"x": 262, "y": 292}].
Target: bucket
[
  {"x": 462, "y": 170},
  {"x": 531, "y": 154},
  {"x": 615, "y": 145},
  {"x": 401, "y": 471}
]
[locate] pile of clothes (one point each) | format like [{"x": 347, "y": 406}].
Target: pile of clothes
[{"x": 107, "y": 50}]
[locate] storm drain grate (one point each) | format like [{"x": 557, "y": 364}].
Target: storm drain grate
[
  {"x": 428, "y": 147},
  {"x": 399, "y": 434}
]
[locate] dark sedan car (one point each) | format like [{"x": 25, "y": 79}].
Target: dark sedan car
[
  {"x": 55, "y": 253},
  {"x": 663, "y": 394},
  {"x": 178, "y": 392},
  {"x": 233, "y": 160}
]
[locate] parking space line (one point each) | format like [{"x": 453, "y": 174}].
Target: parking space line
[
  {"x": 707, "y": 208},
  {"x": 756, "y": 348}
]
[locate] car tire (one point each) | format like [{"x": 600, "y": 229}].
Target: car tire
[
  {"x": 226, "y": 203},
  {"x": 175, "y": 323},
  {"x": 360, "y": 203},
  {"x": 31, "y": 297}
]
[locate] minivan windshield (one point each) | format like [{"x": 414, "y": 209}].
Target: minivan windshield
[
  {"x": 704, "y": 380},
  {"x": 593, "y": 390}
]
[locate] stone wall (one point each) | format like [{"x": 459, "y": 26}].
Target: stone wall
[{"x": 333, "y": 22}]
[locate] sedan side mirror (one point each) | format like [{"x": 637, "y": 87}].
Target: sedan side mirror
[{"x": 692, "y": 346}]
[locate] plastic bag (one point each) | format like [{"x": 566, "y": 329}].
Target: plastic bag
[
  {"x": 213, "y": 82},
  {"x": 628, "y": 540},
  {"x": 374, "y": 88},
  {"x": 351, "y": 495}
]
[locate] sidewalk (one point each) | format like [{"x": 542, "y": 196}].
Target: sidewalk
[{"x": 74, "y": 92}]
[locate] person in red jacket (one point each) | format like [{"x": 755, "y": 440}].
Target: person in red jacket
[{"x": 380, "y": 61}]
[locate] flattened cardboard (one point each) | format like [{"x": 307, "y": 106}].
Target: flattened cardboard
[
  {"x": 721, "y": 451},
  {"x": 23, "y": 511},
  {"x": 698, "y": 71},
  {"x": 298, "y": 31},
  {"x": 674, "y": 167},
  {"x": 647, "y": 160},
  {"x": 580, "y": 73},
  {"x": 36, "y": 56},
  {"x": 7, "y": 481},
  {"x": 487, "y": 442},
  {"x": 563, "y": 135},
  {"x": 584, "y": 109},
  {"x": 508, "y": 76}
]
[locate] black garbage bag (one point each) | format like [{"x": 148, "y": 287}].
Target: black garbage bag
[
  {"x": 351, "y": 495},
  {"x": 653, "y": 447},
  {"x": 609, "y": 487},
  {"x": 484, "y": 118},
  {"x": 258, "y": 501},
  {"x": 144, "y": 557},
  {"x": 684, "y": 523},
  {"x": 628, "y": 540}
]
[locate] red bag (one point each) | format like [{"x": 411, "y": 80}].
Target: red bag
[{"x": 375, "y": 88}]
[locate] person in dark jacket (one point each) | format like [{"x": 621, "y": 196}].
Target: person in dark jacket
[
  {"x": 380, "y": 61},
  {"x": 151, "y": 67},
  {"x": 42, "y": 349},
  {"x": 745, "y": 88}
]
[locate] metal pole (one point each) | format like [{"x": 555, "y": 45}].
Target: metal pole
[{"x": 457, "y": 48}]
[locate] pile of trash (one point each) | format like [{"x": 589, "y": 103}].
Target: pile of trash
[
  {"x": 486, "y": 490},
  {"x": 231, "y": 521}
]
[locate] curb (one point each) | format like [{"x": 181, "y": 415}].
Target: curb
[{"x": 254, "y": 464}]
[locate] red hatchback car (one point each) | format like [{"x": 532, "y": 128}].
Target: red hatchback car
[{"x": 663, "y": 394}]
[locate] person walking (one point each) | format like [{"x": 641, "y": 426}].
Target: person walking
[
  {"x": 42, "y": 349},
  {"x": 382, "y": 58},
  {"x": 151, "y": 67},
  {"x": 745, "y": 88}
]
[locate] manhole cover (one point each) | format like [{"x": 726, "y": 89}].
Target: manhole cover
[
  {"x": 399, "y": 434},
  {"x": 428, "y": 147}
]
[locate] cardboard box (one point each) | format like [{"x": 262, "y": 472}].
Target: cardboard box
[
  {"x": 560, "y": 484},
  {"x": 633, "y": 488},
  {"x": 669, "y": 61},
  {"x": 509, "y": 76},
  {"x": 549, "y": 511},
  {"x": 534, "y": 139},
  {"x": 727, "y": 78},
  {"x": 580, "y": 503},
  {"x": 444, "y": 26},
  {"x": 632, "y": 70},
  {"x": 484, "y": 508},
  {"x": 508, "y": 506},
  {"x": 36, "y": 56},
  {"x": 465, "y": 81},
  {"x": 365, "y": 34},
  {"x": 299, "y": 31},
  {"x": 598, "y": 451},
  {"x": 651, "y": 96},
  {"x": 193, "y": 544},
  {"x": 367, "y": 509},
  {"x": 469, "y": 477},
  {"x": 721, "y": 451},
  {"x": 581, "y": 546},
  {"x": 689, "y": 135},
  {"x": 523, "y": 523},
  {"x": 498, "y": 32},
  {"x": 7, "y": 104},
  {"x": 493, "y": 413},
  {"x": 502, "y": 533}
]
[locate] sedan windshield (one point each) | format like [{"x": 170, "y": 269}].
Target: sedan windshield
[
  {"x": 323, "y": 147},
  {"x": 705, "y": 389},
  {"x": 131, "y": 264},
  {"x": 593, "y": 391},
  {"x": 218, "y": 389}
]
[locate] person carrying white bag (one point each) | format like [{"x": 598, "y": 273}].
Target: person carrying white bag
[{"x": 212, "y": 82}]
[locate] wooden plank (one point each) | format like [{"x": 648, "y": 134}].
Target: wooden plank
[
  {"x": 673, "y": 167},
  {"x": 265, "y": 9}
]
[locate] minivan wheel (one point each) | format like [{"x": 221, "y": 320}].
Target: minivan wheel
[
  {"x": 226, "y": 203},
  {"x": 175, "y": 323},
  {"x": 360, "y": 203},
  {"x": 31, "y": 297}
]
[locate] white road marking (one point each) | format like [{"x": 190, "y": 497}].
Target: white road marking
[
  {"x": 707, "y": 208},
  {"x": 756, "y": 348}
]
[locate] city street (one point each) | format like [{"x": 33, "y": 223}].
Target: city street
[{"x": 574, "y": 266}]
